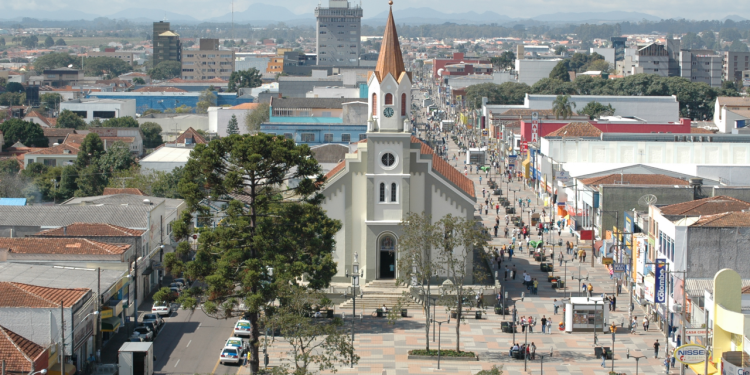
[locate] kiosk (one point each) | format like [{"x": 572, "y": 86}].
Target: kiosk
[{"x": 584, "y": 314}]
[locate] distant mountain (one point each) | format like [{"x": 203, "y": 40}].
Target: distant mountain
[
  {"x": 594, "y": 17},
  {"x": 151, "y": 15},
  {"x": 734, "y": 18},
  {"x": 262, "y": 14},
  {"x": 65, "y": 14},
  {"x": 431, "y": 16}
]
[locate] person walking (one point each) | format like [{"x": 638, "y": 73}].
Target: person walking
[
  {"x": 531, "y": 324},
  {"x": 549, "y": 326},
  {"x": 584, "y": 256},
  {"x": 645, "y": 324},
  {"x": 505, "y": 278},
  {"x": 513, "y": 270},
  {"x": 544, "y": 324},
  {"x": 604, "y": 357},
  {"x": 583, "y": 287},
  {"x": 590, "y": 289},
  {"x": 560, "y": 258},
  {"x": 555, "y": 305},
  {"x": 666, "y": 363},
  {"x": 656, "y": 348},
  {"x": 483, "y": 192},
  {"x": 536, "y": 286},
  {"x": 533, "y": 351},
  {"x": 613, "y": 303},
  {"x": 523, "y": 324},
  {"x": 496, "y": 230}
]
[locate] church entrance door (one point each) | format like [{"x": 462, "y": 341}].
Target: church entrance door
[{"x": 387, "y": 265}]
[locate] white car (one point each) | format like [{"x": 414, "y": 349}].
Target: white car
[
  {"x": 242, "y": 328},
  {"x": 162, "y": 308},
  {"x": 230, "y": 354},
  {"x": 235, "y": 342}
]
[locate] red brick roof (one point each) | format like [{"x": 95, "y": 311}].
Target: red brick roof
[
  {"x": 132, "y": 191},
  {"x": 576, "y": 129},
  {"x": 92, "y": 230},
  {"x": 74, "y": 138},
  {"x": 338, "y": 168},
  {"x": 706, "y": 206},
  {"x": 32, "y": 296},
  {"x": 634, "y": 179},
  {"x": 190, "y": 133},
  {"x": 57, "y": 150},
  {"x": 725, "y": 220},
  {"x": 58, "y": 132},
  {"x": 61, "y": 246},
  {"x": 18, "y": 352}
]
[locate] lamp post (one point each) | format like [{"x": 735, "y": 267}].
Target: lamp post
[
  {"x": 613, "y": 343},
  {"x": 355, "y": 275},
  {"x": 526, "y": 347},
  {"x": 596, "y": 310},
  {"x": 434, "y": 308},
  {"x": 440, "y": 325},
  {"x": 542, "y": 364},
  {"x": 637, "y": 358},
  {"x": 579, "y": 278}
]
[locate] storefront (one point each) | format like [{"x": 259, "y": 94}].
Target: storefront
[{"x": 584, "y": 314}]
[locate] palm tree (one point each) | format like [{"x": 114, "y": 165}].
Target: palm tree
[{"x": 562, "y": 106}]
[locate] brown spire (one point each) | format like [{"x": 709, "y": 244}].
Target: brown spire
[{"x": 390, "y": 59}]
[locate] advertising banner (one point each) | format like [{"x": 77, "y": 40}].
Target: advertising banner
[
  {"x": 660, "y": 284},
  {"x": 690, "y": 354}
]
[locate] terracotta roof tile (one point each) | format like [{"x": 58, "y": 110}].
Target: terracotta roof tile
[
  {"x": 58, "y": 132},
  {"x": 576, "y": 129},
  {"x": 74, "y": 138},
  {"x": 700, "y": 131},
  {"x": 246, "y": 106},
  {"x": 92, "y": 230},
  {"x": 57, "y": 150},
  {"x": 634, "y": 179},
  {"x": 18, "y": 352},
  {"x": 725, "y": 220},
  {"x": 190, "y": 133},
  {"x": 61, "y": 246},
  {"x": 706, "y": 206},
  {"x": 446, "y": 170},
  {"x": 32, "y": 296},
  {"x": 733, "y": 101},
  {"x": 113, "y": 191},
  {"x": 338, "y": 168}
]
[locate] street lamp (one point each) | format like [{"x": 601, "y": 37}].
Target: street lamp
[
  {"x": 542, "y": 365},
  {"x": 613, "y": 344},
  {"x": 355, "y": 275},
  {"x": 579, "y": 278},
  {"x": 434, "y": 308},
  {"x": 637, "y": 358},
  {"x": 440, "y": 325}
]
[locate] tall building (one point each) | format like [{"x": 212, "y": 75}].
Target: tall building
[
  {"x": 701, "y": 66},
  {"x": 166, "y": 43},
  {"x": 733, "y": 65},
  {"x": 618, "y": 44},
  {"x": 338, "y": 29},
  {"x": 209, "y": 62}
]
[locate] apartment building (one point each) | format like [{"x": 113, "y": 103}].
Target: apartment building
[
  {"x": 338, "y": 31},
  {"x": 733, "y": 64},
  {"x": 209, "y": 62},
  {"x": 701, "y": 66},
  {"x": 166, "y": 43},
  {"x": 127, "y": 56}
]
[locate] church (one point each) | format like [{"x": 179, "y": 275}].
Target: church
[{"x": 390, "y": 174}]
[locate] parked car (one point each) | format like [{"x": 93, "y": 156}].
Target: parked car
[
  {"x": 176, "y": 291},
  {"x": 178, "y": 286},
  {"x": 242, "y": 328},
  {"x": 150, "y": 325},
  {"x": 144, "y": 333},
  {"x": 162, "y": 308},
  {"x": 184, "y": 281},
  {"x": 153, "y": 318},
  {"x": 231, "y": 355},
  {"x": 236, "y": 342}
]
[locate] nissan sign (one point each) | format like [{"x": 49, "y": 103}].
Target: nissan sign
[{"x": 690, "y": 354}]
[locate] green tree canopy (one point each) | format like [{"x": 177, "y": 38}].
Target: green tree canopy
[
  {"x": 254, "y": 118},
  {"x": 560, "y": 71},
  {"x": 100, "y": 65},
  {"x": 91, "y": 149},
  {"x": 117, "y": 158},
  {"x": 55, "y": 60},
  {"x": 206, "y": 99},
  {"x": 505, "y": 60},
  {"x": 50, "y": 100},
  {"x": 244, "y": 78},
  {"x": 28, "y": 133},
  {"x": 153, "y": 183},
  {"x": 596, "y": 109},
  {"x": 49, "y": 42},
  {"x": 232, "y": 127},
  {"x": 505, "y": 93},
  {"x": 14, "y": 87},
  {"x": 166, "y": 70},
  {"x": 139, "y": 81},
  {"x": 152, "y": 134},
  {"x": 60, "y": 42},
  {"x": 563, "y": 107},
  {"x": 68, "y": 119},
  {"x": 120, "y": 122}
]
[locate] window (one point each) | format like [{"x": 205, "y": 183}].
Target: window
[
  {"x": 362, "y": 136},
  {"x": 188, "y": 55},
  {"x": 388, "y": 99},
  {"x": 388, "y": 159},
  {"x": 323, "y": 32},
  {"x": 327, "y": 137},
  {"x": 403, "y": 104},
  {"x": 353, "y": 32},
  {"x": 50, "y": 162},
  {"x": 374, "y": 104},
  {"x": 382, "y": 192},
  {"x": 346, "y": 137},
  {"x": 188, "y": 63},
  {"x": 393, "y": 192},
  {"x": 211, "y": 56},
  {"x": 288, "y": 135},
  {"x": 188, "y": 70},
  {"x": 307, "y": 137}
]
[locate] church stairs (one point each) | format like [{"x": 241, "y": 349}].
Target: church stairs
[{"x": 376, "y": 294}]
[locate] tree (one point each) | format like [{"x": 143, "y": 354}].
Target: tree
[
  {"x": 101, "y": 65},
  {"x": 244, "y": 78},
  {"x": 12, "y": 98},
  {"x": 254, "y": 118},
  {"x": 120, "y": 122},
  {"x": 54, "y": 60},
  {"x": 153, "y": 183},
  {"x": 28, "y": 133},
  {"x": 493, "y": 371},
  {"x": 2, "y": 41},
  {"x": 266, "y": 243},
  {"x": 49, "y": 42},
  {"x": 139, "y": 81},
  {"x": 599, "y": 65},
  {"x": 596, "y": 109},
  {"x": 117, "y": 158},
  {"x": 505, "y": 60},
  {"x": 166, "y": 70},
  {"x": 60, "y": 42},
  {"x": 14, "y": 87},
  {"x": 505, "y": 93},
  {"x": 417, "y": 265},
  {"x": 232, "y": 127},
  {"x": 553, "y": 86},
  {"x": 9, "y": 166},
  {"x": 321, "y": 345},
  {"x": 206, "y": 99},
  {"x": 563, "y": 107},
  {"x": 559, "y": 50},
  {"x": 68, "y": 119},
  {"x": 560, "y": 71},
  {"x": 738, "y": 46},
  {"x": 91, "y": 149},
  {"x": 151, "y": 134},
  {"x": 49, "y": 100}
]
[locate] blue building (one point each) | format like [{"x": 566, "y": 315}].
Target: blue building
[
  {"x": 316, "y": 121},
  {"x": 169, "y": 100}
]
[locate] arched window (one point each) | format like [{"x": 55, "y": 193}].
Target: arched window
[
  {"x": 382, "y": 192},
  {"x": 393, "y": 192},
  {"x": 403, "y": 104},
  {"x": 374, "y": 104},
  {"x": 387, "y": 243},
  {"x": 388, "y": 99}
]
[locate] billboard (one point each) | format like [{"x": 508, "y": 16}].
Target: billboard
[
  {"x": 691, "y": 354},
  {"x": 660, "y": 281}
]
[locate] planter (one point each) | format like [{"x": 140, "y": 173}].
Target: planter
[
  {"x": 329, "y": 314},
  {"x": 404, "y": 313},
  {"x": 442, "y": 358},
  {"x": 551, "y": 279},
  {"x": 446, "y": 355},
  {"x": 454, "y": 315},
  {"x": 379, "y": 313},
  {"x": 499, "y": 311}
]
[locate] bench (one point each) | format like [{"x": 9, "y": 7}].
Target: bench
[{"x": 477, "y": 314}]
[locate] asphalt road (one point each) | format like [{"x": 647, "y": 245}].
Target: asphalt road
[{"x": 190, "y": 343}]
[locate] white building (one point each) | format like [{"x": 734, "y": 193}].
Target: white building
[
  {"x": 532, "y": 71},
  {"x": 90, "y": 109},
  {"x": 172, "y": 125},
  {"x": 333, "y": 92},
  {"x": 653, "y": 109},
  {"x": 166, "y": 158},
  {"x": 731, "y": 114},
  {"x": 607, "y": 53},
  {"x": 218, "y": 118}
]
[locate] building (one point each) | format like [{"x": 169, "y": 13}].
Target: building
[
  {"x": 298, "y": 87},
  {"x": 618, "y": 44},
  {"x": 338, "y": 30},
  {"x": 172, "y": 125},
  {"x": 208, "y": 62},
  {"x": 606, "y": 124},
  {"x": 653, "y": 59},
  {"x": 168, "y": 100},
  {"x": 166, "y": 44},
  {"x": 41, "y": 120},
  {"x": 653, "y": 109},
  {"x": 315, "y": 121},
  {"x": 126, "y": 56},
  {"x": 465, "y": 69},
  {"x": 531, "y": 71},
  {"x": 131, "y": 137},
  {"x": 701, "y": 66},
  {"x": 90, "y": 109},
  {"x": 458, "y": 58},
  {"x": 733, "y": 63},
  {"x": 21, "y": 355},
  {"x": 166, "y": 158},
  {"x": 98, "y": 233},
  {"x": 299, "y": 64},
  {"x": 219, "y": 117},
  {"x": 607, "y": 53},
  {"x": 55, "y": 156},
  {"x": 731, "y": 113},
  {"x": 390, "y": 175},
  {"x": 61, "y": 77}
]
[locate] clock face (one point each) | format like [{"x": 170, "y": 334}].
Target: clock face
[
  {"x": 388, "y": 112},
  {"x": 388, "y": 159}
]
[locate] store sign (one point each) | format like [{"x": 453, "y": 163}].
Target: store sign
[
  {"x": 690, "y": 354},
  {"x": 695, "y": 331},
  {"x": 524, "y": 146},
  {"x": 729, "y": 368},
  {"x": 562, "y": 176},
  {"x": 607, "y": 261},
  {"x": 620, "y": 267},
  {"x": 534, "y": 130},
  {"x": 660, "y": 281}
]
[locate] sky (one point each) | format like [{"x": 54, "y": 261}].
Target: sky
[{"x": 201, "y": 9}]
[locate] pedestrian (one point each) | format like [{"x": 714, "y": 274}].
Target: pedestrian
[
  {"x": 505, "y": 278},
  {"x": 532, "y": 322},
  {"x": 495, "y": 230},
  {"x": 483, "y": 192},
  {"x": 645, "y": 324},
  {"x": 656, "y": 348},
  {"x": 590, "y": 289},
  {"x": 583, "y": 287},
  {"x": 480, "y": 179},
  {"x": 513, "y": 270},
  {"x": 560, "y": 258},
  {"x": 633, "y": 325},
  {"x": 533, "y": 350},
  {"x": 604, "y": 356},
  {"x": 549, "y": 326},
  {"x": 544, "y": 324},
  {"x": 613, "y": 302},
  {"x": 536, "y": 286},
  {"x": 666, "y": 363},
  {"x": 556, "y": 305},
  {"x": 497, "y": 208},
  {"x": 506, "y": 232},
  {"x": 523, "y": 324}
]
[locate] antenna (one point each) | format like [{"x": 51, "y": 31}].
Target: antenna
[
  {"x": 232, "y": 21},
  {"x": 647, "y": 200}
]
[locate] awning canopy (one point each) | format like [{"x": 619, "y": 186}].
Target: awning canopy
[
  {"x": 55, "y": 369},
  {"x": 699, "y": 368},
  {"x": 111, "y": 324}
]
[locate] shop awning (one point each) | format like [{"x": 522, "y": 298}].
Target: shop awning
[
  {"x": 111, "y": 324},
  {"x": 699, "y": 368},
  {"x": 55, "y": 369},
  {"x": 147, "y": 271}
]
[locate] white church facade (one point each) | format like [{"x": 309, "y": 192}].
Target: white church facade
[{"x": 390, "y": 174}]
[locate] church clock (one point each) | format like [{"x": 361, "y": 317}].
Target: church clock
[{"x": 388, "y": 112}]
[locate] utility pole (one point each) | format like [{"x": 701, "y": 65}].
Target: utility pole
[
  {"x": 705, "y": 342},
  {"x": 62, "y": 338}
]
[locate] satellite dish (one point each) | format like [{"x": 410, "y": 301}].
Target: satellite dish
[
  {"x": 647, "y": 200},
  {"x": 70, "y": 66}
]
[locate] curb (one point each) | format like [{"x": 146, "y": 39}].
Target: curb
[{"x": 442, "y": 358}]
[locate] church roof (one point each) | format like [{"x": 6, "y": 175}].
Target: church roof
[{"x": 390, "y": 59}]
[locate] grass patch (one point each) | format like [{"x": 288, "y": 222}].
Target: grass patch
[{"x": 443, "y": 353}]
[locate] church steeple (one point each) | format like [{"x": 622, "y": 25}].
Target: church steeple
[{"x": 390, "y": 59}]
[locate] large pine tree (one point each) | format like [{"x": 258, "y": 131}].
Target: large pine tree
[{"x": 233, "y": 127}]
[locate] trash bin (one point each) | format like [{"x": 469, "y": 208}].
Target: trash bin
[
  {"x": 404, "y": 313},
  {"x": 329, "y": 314},
  {"x": 598, "y": 352},
  {"x": 477, "y": 315},
  {"x": 454, "y": 314},
  {"x": 560, "y": 284},
  {"x": 379, "y": 313}
]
